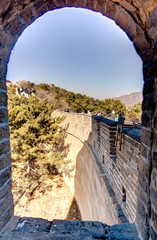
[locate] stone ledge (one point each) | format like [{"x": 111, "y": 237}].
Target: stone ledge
[{"x": 41, "y": 229}]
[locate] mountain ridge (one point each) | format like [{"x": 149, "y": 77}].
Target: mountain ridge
[{"x": 130, "y": 99}]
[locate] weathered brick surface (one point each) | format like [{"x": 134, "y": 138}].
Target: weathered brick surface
[
  {"x": 6, "y": 189},
  {"x": 111, "y": 10},
  {"x": 40, "y": 7},
  {"x": 141, "y": 43},
  {"x": 4, "y": 54},
  {"x": 132, "y": 30},
  {"x": 4, "y": 132},
  {"x": 3, "y": 99},
  {"x": 3, "y": 69},
  {"x": 101, "y": 5},
  {"x": 3, "y": 115},
  {"x": 79, "y": 3},
  {"x": 5, "y": 161},
  {"x": 6, "y": 203},
  {"x": 149, "y": 72},
  {"x": 4, "y": 5},
  {"x": 27, "y": 15},
  {"x": 151, "y": 22},
  {"x": 146, "y": 119},
  {"x": 8, "y": 214},
  {"x": 3, "y": 83},
  {"x": 148, "y": 56},
  {"x": 70, "y": 3},
  {"x": 122, "y": 19},
  {"x": 146, "y": 136},
  {"x": 5, "y": 176},
  {"x": 4, "y": 147},
  {"x": 15, "y": 26}
]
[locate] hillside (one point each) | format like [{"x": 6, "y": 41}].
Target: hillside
[
  {"x": 61, "y": 99},
  {"x": 130, "y": 99}
]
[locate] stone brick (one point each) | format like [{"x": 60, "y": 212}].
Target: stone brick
[
  {"x": 101, "y": 6},
  {"x": 146, "y": 136},
  {"x": 154, "y": 217},
  {"x": 141, "y": 43},
  {"x": 122, "y": 19},
  {"x": 111, "y": 10},
  {"x": 155, "y": 120},
  {"x": 148, "y": 87},
  {"x": 6, "y": 217},
  {"x": 4, "y": 147},
  {"x": 3, "y": 99},
  {"x": 3, "y": 83},
  {"x": 15, "y": 27},
  {"x": 149, "y": 71},
  {"x": 80, "y": 229},
  {"x": 70, "y": 3},
  {"x": 51, "y": 5},
  {"x": 6, "y": 40},
  {"x": 3, "y": 115},
  {"x": 153, "y": 197},
  {"x": 4, "y": 132},
  {"x": 90, "y": 4},
  {"x": 6, "y": 203},
  {"x": 144, "y": 168},
  {"x": 153, "y": 233},
  {"x": 143, "y": 196},
  {"x": 5, "y": 176},
  {"x": 148, "y": 103},
  {"x": 146, "y": 119},
  {"x": 40, "y": 7},
  {"x": 6, "y": 189},
  {"x": 155, "y": 43},
  {"x": 142, "y": 227},
  {"x": 79, "y": 3},
  {"x": 60, "y": 3},
  {"x": 143, "y": 182},
  {"x": 151, "y": 22},
  {"x": 3, "y": 69},
  {"x": 4, "y": 5},
  {"x": 32, "y": 225},
  {"x": 132, "y": 30},
  {"x": 27, "y": 15},
  {"x": 5, "y": 161},
  {"x": 148, "y": 56},
  {"x": 154, "y": 160}
]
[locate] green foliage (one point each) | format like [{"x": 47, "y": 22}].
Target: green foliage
[
  {"x": 45, "y": 86},
  {"x": 82, "y": 103},
  {"x": 36, "y": 139},
  {"x": 77, "y": 102},
  {"x": 135, "y": 112},
  {"x": 31, "y": 85}
]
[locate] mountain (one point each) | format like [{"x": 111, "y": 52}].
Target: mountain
[{"x": 130, "y": 99}]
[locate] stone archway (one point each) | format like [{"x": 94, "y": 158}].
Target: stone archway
[{"x": 139, "y": 20}]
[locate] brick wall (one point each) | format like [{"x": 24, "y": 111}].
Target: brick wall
[
  {"x": 123, "y": 169},
  {"x": 6, "y": 200}
]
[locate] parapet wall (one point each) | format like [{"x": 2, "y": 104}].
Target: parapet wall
[{"x": 106, "y": 179}]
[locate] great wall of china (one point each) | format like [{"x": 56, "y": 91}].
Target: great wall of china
[{"x": 138, "y": 19}]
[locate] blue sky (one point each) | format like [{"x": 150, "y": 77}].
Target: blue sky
[{"x": 80, "y": 51}]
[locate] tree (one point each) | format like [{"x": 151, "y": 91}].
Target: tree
[
  {"x": 36, "y": 139},
  {"x": 135, "y": 112}
]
